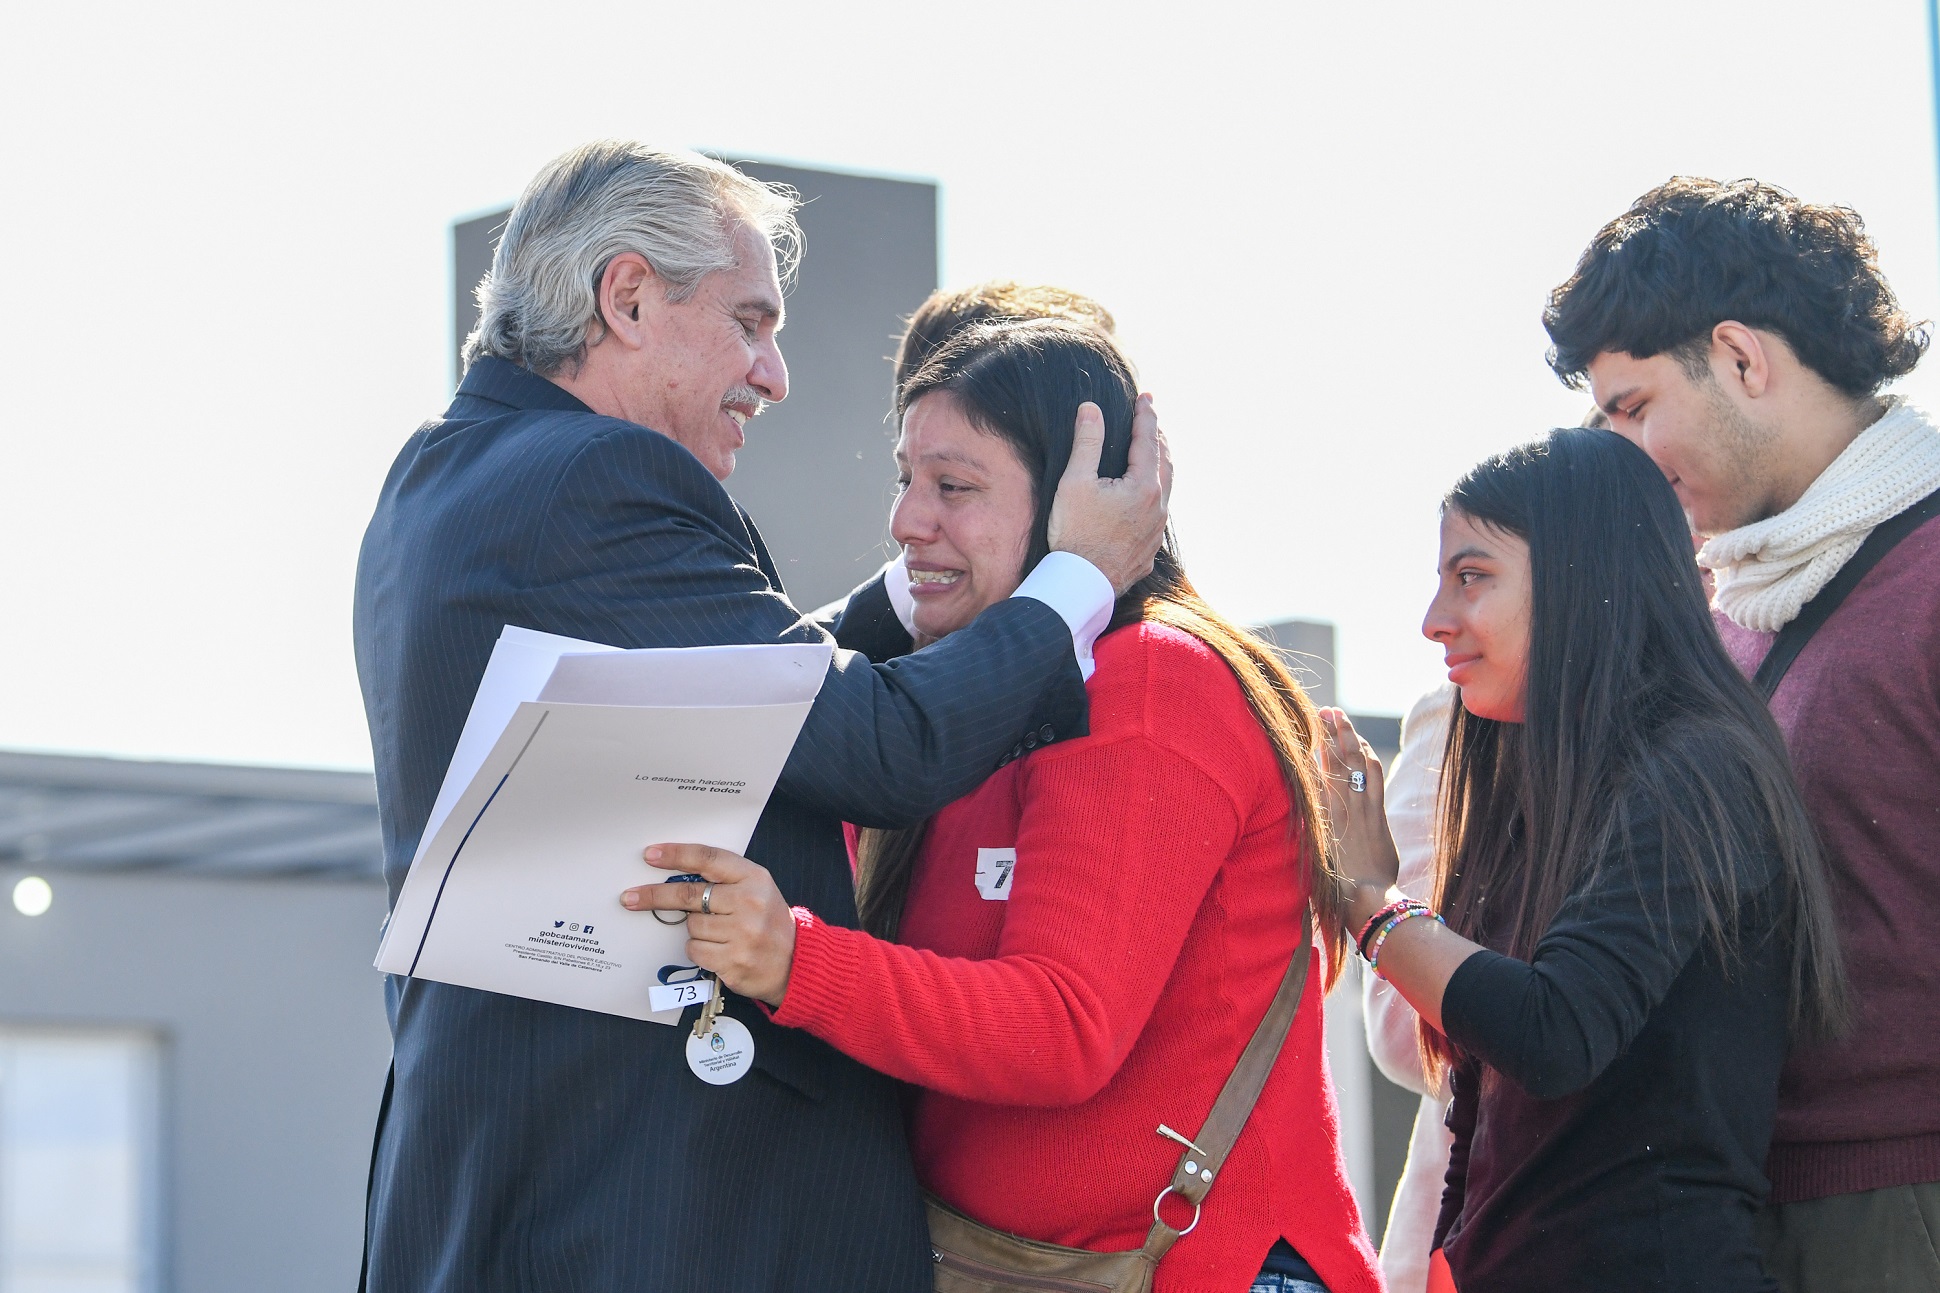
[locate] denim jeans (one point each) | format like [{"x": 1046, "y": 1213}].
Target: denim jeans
[{"x": 1267, "y": 1282}]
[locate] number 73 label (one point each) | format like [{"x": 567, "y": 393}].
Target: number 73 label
[
  {"x": 678, "y": 996},
  {"x": 994, "y": 868}
]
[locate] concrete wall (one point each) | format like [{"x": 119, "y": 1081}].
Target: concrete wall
[
  {"x": 472, "y": 244},
  {"x": 274, "y": 1047},
  {"x": 1308, "y": 648}
]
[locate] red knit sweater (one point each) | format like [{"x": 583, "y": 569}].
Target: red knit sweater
[{"x": 1153, "y": 908}]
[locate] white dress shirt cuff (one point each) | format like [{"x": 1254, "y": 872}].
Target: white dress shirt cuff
[
  {"x": 1081, "y": 595},
  {"x": 895, "y": 582}
]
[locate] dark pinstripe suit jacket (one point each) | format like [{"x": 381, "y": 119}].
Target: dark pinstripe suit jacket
[{"x": 539, "y": 1148}]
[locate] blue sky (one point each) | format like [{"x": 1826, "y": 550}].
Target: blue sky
[{"x": 1327, "y": 231}]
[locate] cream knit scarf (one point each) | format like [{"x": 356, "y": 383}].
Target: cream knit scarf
[{"x": 1767, "y": 570}]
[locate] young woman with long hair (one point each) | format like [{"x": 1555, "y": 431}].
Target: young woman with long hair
[
  {"x": 1635, "y": 903},
  {"x": 1075, "y": 954}
]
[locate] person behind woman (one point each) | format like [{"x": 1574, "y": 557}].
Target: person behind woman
[
  {"x": 1636, "y": 906},
  {"x": 947, "y": 311},
  {"x": 1393, "y": 1028},
  {"x": 1076, "y": 953}
]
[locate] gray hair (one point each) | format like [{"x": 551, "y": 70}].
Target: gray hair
[{"x": 539, "y": 305}]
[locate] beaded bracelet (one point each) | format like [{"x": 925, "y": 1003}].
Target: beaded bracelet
[
  {"x": 1394, "y": 922},
  {"x": 1399, "y": 912},
  {"x": 1367, "y": 930}
]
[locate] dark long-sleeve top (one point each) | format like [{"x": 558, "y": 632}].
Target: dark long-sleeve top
[{"x": 1615, "y": 1103}]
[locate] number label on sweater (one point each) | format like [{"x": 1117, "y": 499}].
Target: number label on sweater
[{"x": 994, "y": 868}]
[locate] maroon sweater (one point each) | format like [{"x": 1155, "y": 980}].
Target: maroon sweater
[{"x": 1860, "y": 710}]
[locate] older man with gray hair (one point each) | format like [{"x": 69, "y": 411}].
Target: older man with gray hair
[{"x": 628, "y": 334}]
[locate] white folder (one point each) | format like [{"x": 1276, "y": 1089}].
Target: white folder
[{"x": 576, "y": 756}]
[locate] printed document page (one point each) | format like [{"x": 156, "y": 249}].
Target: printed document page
[{"x": 575, "y": 757}]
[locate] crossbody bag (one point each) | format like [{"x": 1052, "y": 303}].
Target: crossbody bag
[{"x": 973, "y": 1258}]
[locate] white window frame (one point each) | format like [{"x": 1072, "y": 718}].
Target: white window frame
[{"x": 145, "y": 1047}]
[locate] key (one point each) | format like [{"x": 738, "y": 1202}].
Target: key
[
  {"x": 1170, "y": 1134},
  {"x": 712, "y": 1007}
]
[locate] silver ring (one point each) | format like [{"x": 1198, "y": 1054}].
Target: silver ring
[
  {"x": 1161, "y": 1220},
  {"x": 1357, "y": 782},
  {"x": 707, "y": 899}
]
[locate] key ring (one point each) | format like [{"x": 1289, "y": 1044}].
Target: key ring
[
  {"x": 1168, "y": 1225},
  {"x": 679, "y": 917}
]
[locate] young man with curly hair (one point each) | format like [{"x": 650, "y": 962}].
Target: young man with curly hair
[{"x": 1742, "y": 337}]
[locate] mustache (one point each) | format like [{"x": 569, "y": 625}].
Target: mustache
[{"x": 746, "y": 397}]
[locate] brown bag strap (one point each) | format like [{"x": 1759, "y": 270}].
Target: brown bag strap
[{"x": 1199, "y": 1166}]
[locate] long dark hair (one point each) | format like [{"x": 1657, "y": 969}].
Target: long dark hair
[
  {"x": 1022, "y": 381},
  {"x": 1629, "y": 690}
]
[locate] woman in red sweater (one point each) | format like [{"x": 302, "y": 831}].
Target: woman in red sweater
[{"x": 1076, "y": 953}]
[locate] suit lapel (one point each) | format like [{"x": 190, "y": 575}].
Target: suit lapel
[{"x": 761, "y": 557}]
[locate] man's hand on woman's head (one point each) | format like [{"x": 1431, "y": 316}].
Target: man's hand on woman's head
[
  {"x": 746, "y": 936},
  {"x": 1117, "y": 523}
]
